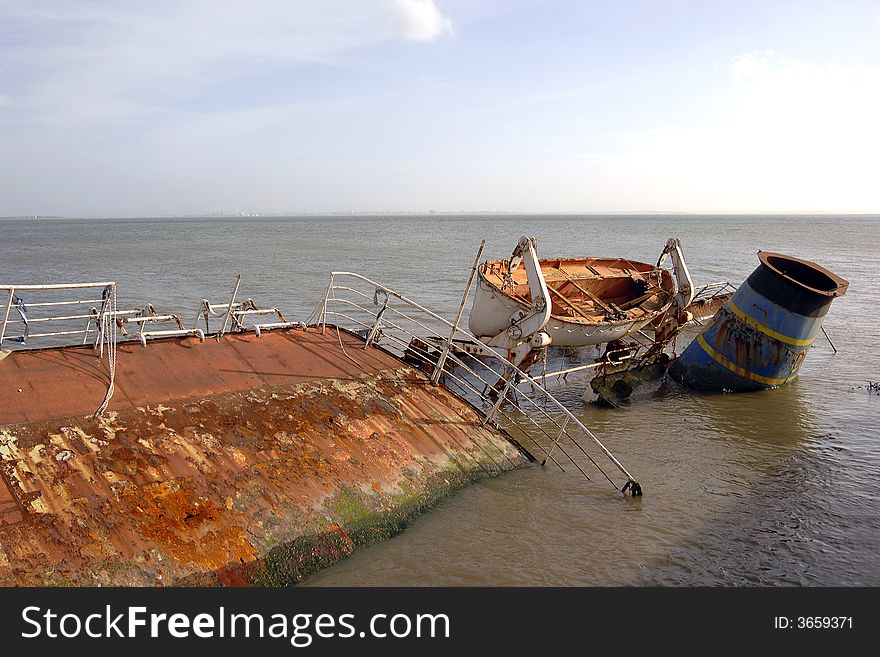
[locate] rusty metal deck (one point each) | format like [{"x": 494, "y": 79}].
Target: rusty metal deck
[
  {"x": 43, "y": 384},
  {"x": 215, "y": 459}
]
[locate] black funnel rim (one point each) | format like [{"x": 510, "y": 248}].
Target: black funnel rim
[{"x": 805, "y": 274}]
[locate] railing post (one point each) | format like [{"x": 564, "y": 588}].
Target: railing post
[
  {"x": 104, "y": 317},
  {"x": 93, "y": 315},
  {"x": 375, "y": 330},
  {"x": 6, "y": 314},
  {"x": 203, "y": 309},
  {"x": 556, "y": 442},
  {"x": 499, "y": 401},
  {"x": 441, "y": 362},
  {"x": 323, "y": 319},
  {"x": 229, "y": 309}
]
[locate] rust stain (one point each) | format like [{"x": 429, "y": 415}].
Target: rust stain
[
  {"x": 187, "y": 526},
  {"x": 214, "y": 454},
  {"x": 747, "y": 351},
  {"x": 9, "y": 513}
]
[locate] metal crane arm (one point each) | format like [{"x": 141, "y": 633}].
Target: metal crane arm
[
  {"x": 525, "y": 323},
  {"x": 684, "y": 293}
]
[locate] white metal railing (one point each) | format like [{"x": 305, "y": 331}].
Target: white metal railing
[
  {"x": 22, "y": 312},
  {"x": 48, "y": 316},
  {"x": 239, "y": 312},
  {"x": 33, "y": 305},
  {"x": 142, "y": 317},
  {"x": 386, "y": 318},
  {"x": 710, "y": 291}
]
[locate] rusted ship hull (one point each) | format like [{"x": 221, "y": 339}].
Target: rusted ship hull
[
  {"x": 244, "y": 461},
  {"x": 594, "y": 300}
]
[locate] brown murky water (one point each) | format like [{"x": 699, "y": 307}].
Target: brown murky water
[{"x": 776, "y": 487}]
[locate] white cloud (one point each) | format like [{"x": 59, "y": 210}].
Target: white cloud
[
  {"x": 91, "y": 61},
  {"x": 750, "y": 64},
  {"x": 794, "y": 136},
  {"x": 421, "y": 20}
]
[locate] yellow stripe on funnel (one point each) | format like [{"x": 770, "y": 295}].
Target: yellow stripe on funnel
[
  {"x": 766, "y": 330},
  {"x": 736, "y": 369}
]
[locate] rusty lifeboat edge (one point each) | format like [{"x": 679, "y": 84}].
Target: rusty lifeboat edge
[{"x": 240, "y": 461}]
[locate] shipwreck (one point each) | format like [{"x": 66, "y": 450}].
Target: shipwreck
[{"x": 246, "y": 449}]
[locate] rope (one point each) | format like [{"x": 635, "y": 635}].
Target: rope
[
  {"x": 339, "y": 333},
  {"x": 108, "y": 333}
]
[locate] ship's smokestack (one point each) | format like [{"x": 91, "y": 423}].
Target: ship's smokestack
[{"x": 760, "y": 337}]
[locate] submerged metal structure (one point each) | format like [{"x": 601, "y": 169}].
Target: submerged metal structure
[{"x": 760, "y": 336}]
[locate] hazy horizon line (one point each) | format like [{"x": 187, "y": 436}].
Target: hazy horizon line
[{"x": 430, "y": 213}]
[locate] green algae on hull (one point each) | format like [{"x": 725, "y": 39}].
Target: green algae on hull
[{"x": 358, "y": 521}]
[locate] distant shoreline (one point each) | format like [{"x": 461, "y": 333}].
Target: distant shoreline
[{"x": 379, "y": 215}]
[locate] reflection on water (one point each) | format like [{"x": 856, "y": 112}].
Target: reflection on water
[{"x": 773, "y": 487}]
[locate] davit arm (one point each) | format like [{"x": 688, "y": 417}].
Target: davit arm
[
  {"x": 684, "y": 293},
  {"x": 525, "y": 330},
  {"x": 672, "y": 321}
]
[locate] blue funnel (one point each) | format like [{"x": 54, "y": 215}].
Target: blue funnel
[{"x": 761, "y": 335}]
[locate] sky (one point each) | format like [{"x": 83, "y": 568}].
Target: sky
[{"x": 131, "y": 108}]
